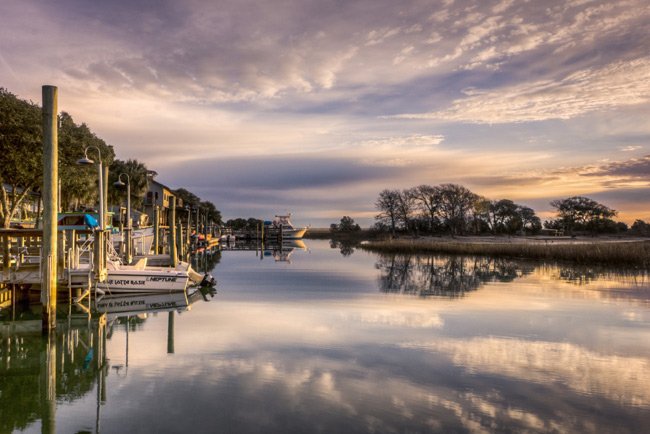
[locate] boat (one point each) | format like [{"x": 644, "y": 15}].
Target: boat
[
  {"x": 140, "y": 278},
  {"x": 288, "y": 230}
]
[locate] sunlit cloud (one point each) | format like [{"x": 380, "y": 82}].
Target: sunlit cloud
[
  {"x": 581, "y": 92},
  {"x": 434, "y": 91}
]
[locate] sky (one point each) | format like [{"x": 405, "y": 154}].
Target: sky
[{"x": 314, "y": 107}]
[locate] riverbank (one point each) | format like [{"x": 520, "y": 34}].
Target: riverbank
[{"x": 613, "y": 251}]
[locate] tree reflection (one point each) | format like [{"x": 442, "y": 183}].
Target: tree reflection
[
  {"x": 37, "y": 371},
  {"x": 346, "y": 247},
  {"x": 446, "y": 276}
]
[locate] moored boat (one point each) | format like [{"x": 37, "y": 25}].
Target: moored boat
[{"x": 288, "y": 230}]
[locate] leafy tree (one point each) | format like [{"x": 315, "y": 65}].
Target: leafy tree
[
  {"x": 388, "y": 205},
  {"x": 346, "y": 224},
  {"x": 188, "y": 198},
  {"x": 79, "y": 184},
  {"x": 138, "y": 178},
  {"x": 21, "y": 153},
  {"x": 640, "y": 228},
  {"x": 214, "y": 215},
  {"x": 250, "y": 224},
  {"x": 529, "y": 220},
  {"x": 582, "y": 213}
]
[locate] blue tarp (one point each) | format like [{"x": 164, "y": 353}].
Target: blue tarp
[{"x": 90, "y": 221}]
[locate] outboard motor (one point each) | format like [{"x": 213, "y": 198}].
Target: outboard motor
[{"x": 208, "y": 280}]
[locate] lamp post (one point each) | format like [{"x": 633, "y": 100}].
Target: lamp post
[
  {"x": 85, "y": 161},
  {"x": 127, "y": 233}
]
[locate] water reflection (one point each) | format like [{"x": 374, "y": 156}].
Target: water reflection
[
  {"x": 278, "y": 251},
  {"x": 346, "y": 247},
  {"x": 206, "y": 259},
  {"x": 534, "y": 353},
  {"x": 447, "y": 276},
  {"x": 39, "y": 373},
  {"x": 453, "y": 276}
]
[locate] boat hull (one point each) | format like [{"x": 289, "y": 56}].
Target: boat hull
[
  {"x": 132, "y": 282},
  {"x": 293, "y": 234}
]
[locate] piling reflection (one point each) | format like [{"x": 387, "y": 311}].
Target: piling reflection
[
  {"x": 445, "y": 276},
  {"x": 278, "y": 251},
  {"x": 37, "y": 371}
]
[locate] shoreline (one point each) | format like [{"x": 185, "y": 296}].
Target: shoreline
[{"x": 580, "y": 250}]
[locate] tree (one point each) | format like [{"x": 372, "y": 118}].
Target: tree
[
  {"x": 405, "y": 207},
  {"x": 138, "y": 178},
  {"x": 388, "y": 204},
  {"x": 640, "y": 228},
  {"x": 214, "y": 215},
  {"x": 456, "y": 202},
  {"x": 346, "y": 224},
  {"x": 188, "y": 198},
  {"x": 79, "y": 185},
  {"x": 21, "y": 153},
  {"x": 529, "y": 220},
  {"x": 428, "y": 199},
  {"x": 582, "y": 213}
]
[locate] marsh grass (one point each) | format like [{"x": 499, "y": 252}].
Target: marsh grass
[{"x": 635, "y": 254}]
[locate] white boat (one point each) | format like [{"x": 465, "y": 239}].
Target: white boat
[
  {"x": 289, "y": 231},
  {"x": 140, "y": 278}
]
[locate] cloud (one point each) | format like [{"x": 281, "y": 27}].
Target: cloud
[{"x": 584, "y": 91}]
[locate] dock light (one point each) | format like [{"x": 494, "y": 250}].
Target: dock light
[
  {"x": 126, "y": 236},
  {"x": 120, "y": 184},
  {"x": 85, "y": 161}
]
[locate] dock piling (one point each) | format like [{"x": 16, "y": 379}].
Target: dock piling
[{"x": 50, "y": 207}]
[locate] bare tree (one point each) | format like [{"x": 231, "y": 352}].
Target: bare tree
[
  {"x": 388, "y": 205},
  {"x": 455, "y": 205},
  {"x": 428, "y": 199}
]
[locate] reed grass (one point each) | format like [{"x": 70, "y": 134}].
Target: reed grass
[{"x": 635, "y": 254}]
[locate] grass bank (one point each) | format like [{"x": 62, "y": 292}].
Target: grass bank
[{"x": 606, "y": 252}]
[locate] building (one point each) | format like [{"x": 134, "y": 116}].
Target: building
[{"x": 158, "y": 195}]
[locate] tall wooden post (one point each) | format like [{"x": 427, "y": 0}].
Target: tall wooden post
[
  {"x": 179, "y": 240},
  {"x": 188, "y": 231},
  {"x": 105, "y": 193},
  {"x": 173, "y": 257},
  {"x": 50, "y": 207},
  {"x": 156, "y": 230}
]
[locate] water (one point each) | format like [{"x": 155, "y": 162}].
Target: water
[{"x": 329, "y": 340}]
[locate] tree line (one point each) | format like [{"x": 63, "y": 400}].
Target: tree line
[
  {"x": 454, "y": 209},
  {"x": 21, "y": 164}
]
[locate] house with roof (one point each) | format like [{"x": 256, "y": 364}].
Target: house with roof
[{"x": 158, "y": 196}]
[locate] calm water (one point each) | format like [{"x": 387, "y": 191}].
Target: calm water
[{"x": 337, "y": 341}]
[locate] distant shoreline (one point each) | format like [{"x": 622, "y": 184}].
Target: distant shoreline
[
  {"x": 581, "y": 250},
  {"x": 585, "y": 250}
]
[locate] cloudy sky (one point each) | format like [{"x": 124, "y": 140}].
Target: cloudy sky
[{"x": 316, "y": 106}]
